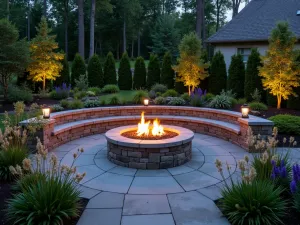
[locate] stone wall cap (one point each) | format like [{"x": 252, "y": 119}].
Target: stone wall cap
[{"x": 256, "y": 121}]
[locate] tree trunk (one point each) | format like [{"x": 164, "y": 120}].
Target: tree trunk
[
  {"x": 235, "y": 7},
  {"x": 200, "y": 30},
  {"x": 218, "y": 6},
  {"x": 81, "y": 28},
  {"x": 28, "y": 22},
  {"x": 45, "y": 8},
  {"x": 66, "y": 22},
  {"x": 7, "y": 8},
  {"x": 139, "y": 43},
  {"x": 278, "y": 101},
  {"x": 189, "y": 90},
  {"x": 132, "y": 48},
  {"x": 124, "y": 35},
  {"x": 92, "y": 29},
  {"x": 44, "y": 83}
]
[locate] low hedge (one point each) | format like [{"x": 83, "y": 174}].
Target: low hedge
[{"x": 287, "y": 124}]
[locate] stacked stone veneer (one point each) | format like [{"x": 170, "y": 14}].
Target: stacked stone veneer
[
  {"x": 149, "y": 158},
  {"x": 70, "y": 125}
]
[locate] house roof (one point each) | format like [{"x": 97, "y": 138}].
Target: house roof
[{"x": 256, "y": 21}]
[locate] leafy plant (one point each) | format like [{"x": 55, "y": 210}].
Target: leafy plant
[
  {"x": 152, "y": 94},
  {"x": 287, "y": 124},
  {"x": 91, "y": 93},
  {"x": 61, "y": 92},
  {"x": 170, "y": 93},
  {"x": 220, "y": 102},
  {"x": 186, "y": 97},
  {"x": 96, "y": 90},
  {"x": 160, "y": 101},
  {"x": 140, "y": 96},
  {"x": 159, "y": 88},
  {"x": 80, "y": 94},
  {"x": 256, "y": 95},
  {"x": 91, "y": 104},
  {"x": 19, "y": 94},
  {"x": 198, "y": 97},
  {"x": 82, "y": 83},
  {"x": 76, "y": 104},
  {"x": 176, "y": 101},
  {"x": 110, "y": 88},
  {"x": 114, "y": 100},
  {"x": 258, "y": 106},
  {"x": 209, "y": 97},
  {"x": 65, "y": 103},
  {"x": 241, "y": 101},
  {"x": 228, "y": 93},
  {"x": 56, "y": 108}
]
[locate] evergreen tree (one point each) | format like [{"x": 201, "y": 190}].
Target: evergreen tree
[
  {"x": 236, "y": 76},
  {"x": 167, "y": 72},
  {"x": 139, "y": 77},
  {"x": 45, "y": 62},
  {"x": 279, "y": 71},
  {"x": 95, "y": 73},
  {"x": 218, "y": 76},
  {"x": 125, "y": 75},
  {"x": 153, "y": 75},
  {"x": 78, "y": 68},
  {"x": 64, "y": 73},
  {"x": 252, "y": 79},
  {"x": 294, "y": 101},
  {"x": 110, "y": 74}
]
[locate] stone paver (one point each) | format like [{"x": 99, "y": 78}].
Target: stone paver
[{"x": 129, "y": 196}]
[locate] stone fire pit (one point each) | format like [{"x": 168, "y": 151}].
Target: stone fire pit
[{"x": 149, "y": 154}]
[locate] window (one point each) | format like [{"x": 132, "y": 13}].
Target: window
[{"x": 244, "y": 52}]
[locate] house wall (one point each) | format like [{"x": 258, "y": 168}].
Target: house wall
[{"x": 229, "y": 50}]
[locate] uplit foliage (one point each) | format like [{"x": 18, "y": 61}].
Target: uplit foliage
[
  {"x": 45, "y": 62},
  {"x": 190, "y": 69},
  {"x": 280, "y": 73}
]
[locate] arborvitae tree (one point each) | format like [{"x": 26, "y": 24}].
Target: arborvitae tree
[
  {"x": 139, "y": 77},
  {"x": 78, "y": 68},
  {"x": 125, "y": 75},
  {"x": 280, "y": 73},
  {"x": 252, "y": 79},
  {"x": 217, "y": 79},
  {"x": 153, "y": 75},
  {"x": 95, "y": 73},
  {"x": 64, "y": 73},
  {"x": 236, "y": 76},
  {"x": 110, "y": 74},
  {"x": 167, "y": 72}
]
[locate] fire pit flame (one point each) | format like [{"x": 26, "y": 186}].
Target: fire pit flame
[{"x": 144, "y": 127}]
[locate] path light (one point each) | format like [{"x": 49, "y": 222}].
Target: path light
[
  {"x": 46, "y": 113},
  {"x": 146, "y": 102},
  {"x": 245, "y": 111}
]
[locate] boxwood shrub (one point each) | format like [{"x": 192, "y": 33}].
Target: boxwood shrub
[{"x": 287, "y": 124}]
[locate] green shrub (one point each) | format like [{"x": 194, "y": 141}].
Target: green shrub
[
  {"x": 110, "y": 88},
  {"x": 176, "y": 101},
  {"x": 256, "y": 95},
  {"x": 58, "y": 198},
  {"x": 167, "y": 72},
  {"x": 65, "y": 103},
  {"x": 90, "y": 93},
  {"x": 218, "y": 74},
  {"x": 91, "y": 104},
  {"x": 208, "y": 97},
  {"x": 82, "y": 83},
  {"x": 170, "y": 93},
  {"x": 11, "y": 156},
  {"x": 221, "y": 102},
  {"x": 76, "y": 104},
  {"x": 159, "y": 88},
  {"x": 287, "y": 124},
  {"x": 152, "y": 94},
  {"x": 80, "y": 94},
  {"x": 64, "y": 73},
  {"x": 103, "y": 102},
  {"x": 139, "y": 77},
  {"x": 96, "y": 90},
  {"x": 236, "y": 77},
  {"x": 114, "y": 100},
  {"x": 160, "y": 101},
  {"x": 16, "y": 94},
  {"x": 139, "y": 97},
  {"x": 186, "y": 97},
  {"x": 228, "y": 93},
  {"x": 61, "y": 92},
  {"x": 95, "y": 73},
  {"x": 258, "y": 106},
  {"x": 78, "y": 68},
  {"x": 153, "y": 75},
  {"x": 257, "y": 203},
  {"x": 241, "y": 101},
  {"x": 125, "y": 74},
  {"x": 56, "y": 108},
  {"x": 110, "y": 74}
]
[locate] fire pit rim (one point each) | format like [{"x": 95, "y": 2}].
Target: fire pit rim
[{"x": 114, "y": 136}]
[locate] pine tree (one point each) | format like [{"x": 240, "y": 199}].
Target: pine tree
[
  {"x": 218, "y": 76},
  {"x": 191, "y": 68},
  {"x": 153, "y": 75},
  {"x": 236, "y": 76},
  {"x": 95, "y": 73},
  {"x": 110, "y": 75},
  {"x": 64, "y": 73},
  {"x": 139, "y": 77},
  {"x": 125, "y": 75},
  {"x": 279, "y": 71},
  {"x": 45, "y": 62},
  {"x": 78, "y": 68},
  {"x": 252, "y": 79},
  {"x": 167, "y": 72}
]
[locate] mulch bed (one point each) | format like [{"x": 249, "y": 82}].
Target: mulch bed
[
  {"x": 132, "y": 135},
  {"x": 6, "y": 193}
]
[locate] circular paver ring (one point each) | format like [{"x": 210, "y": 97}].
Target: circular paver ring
[{"x": 196, "y": 174}]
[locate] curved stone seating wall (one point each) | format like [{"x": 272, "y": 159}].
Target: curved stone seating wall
[{"x": 70, "y": 125}]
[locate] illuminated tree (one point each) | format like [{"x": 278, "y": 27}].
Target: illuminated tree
[
  {"x": 280, "y": 73},
  {"x": 190, "y": 69},
  {"x": 45, "y": 62}
]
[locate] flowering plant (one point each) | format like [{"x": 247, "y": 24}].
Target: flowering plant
[
  {"x": 198, "y": 97},
  {"x": 61, "y": 92}
]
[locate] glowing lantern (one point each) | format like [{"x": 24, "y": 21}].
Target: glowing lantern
[
  {"x": 146, "y": 102},
  {"x": 46, "y": 113},
  {"x": 245, "y": 111}
]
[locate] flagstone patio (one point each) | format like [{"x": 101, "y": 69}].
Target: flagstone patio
[{"x": 182, "y": 195}]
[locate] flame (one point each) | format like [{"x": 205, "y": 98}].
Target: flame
[{"x": 144, "y": 127}]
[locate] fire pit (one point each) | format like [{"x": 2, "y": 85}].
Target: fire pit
[{"x": 149, "y": 146}]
